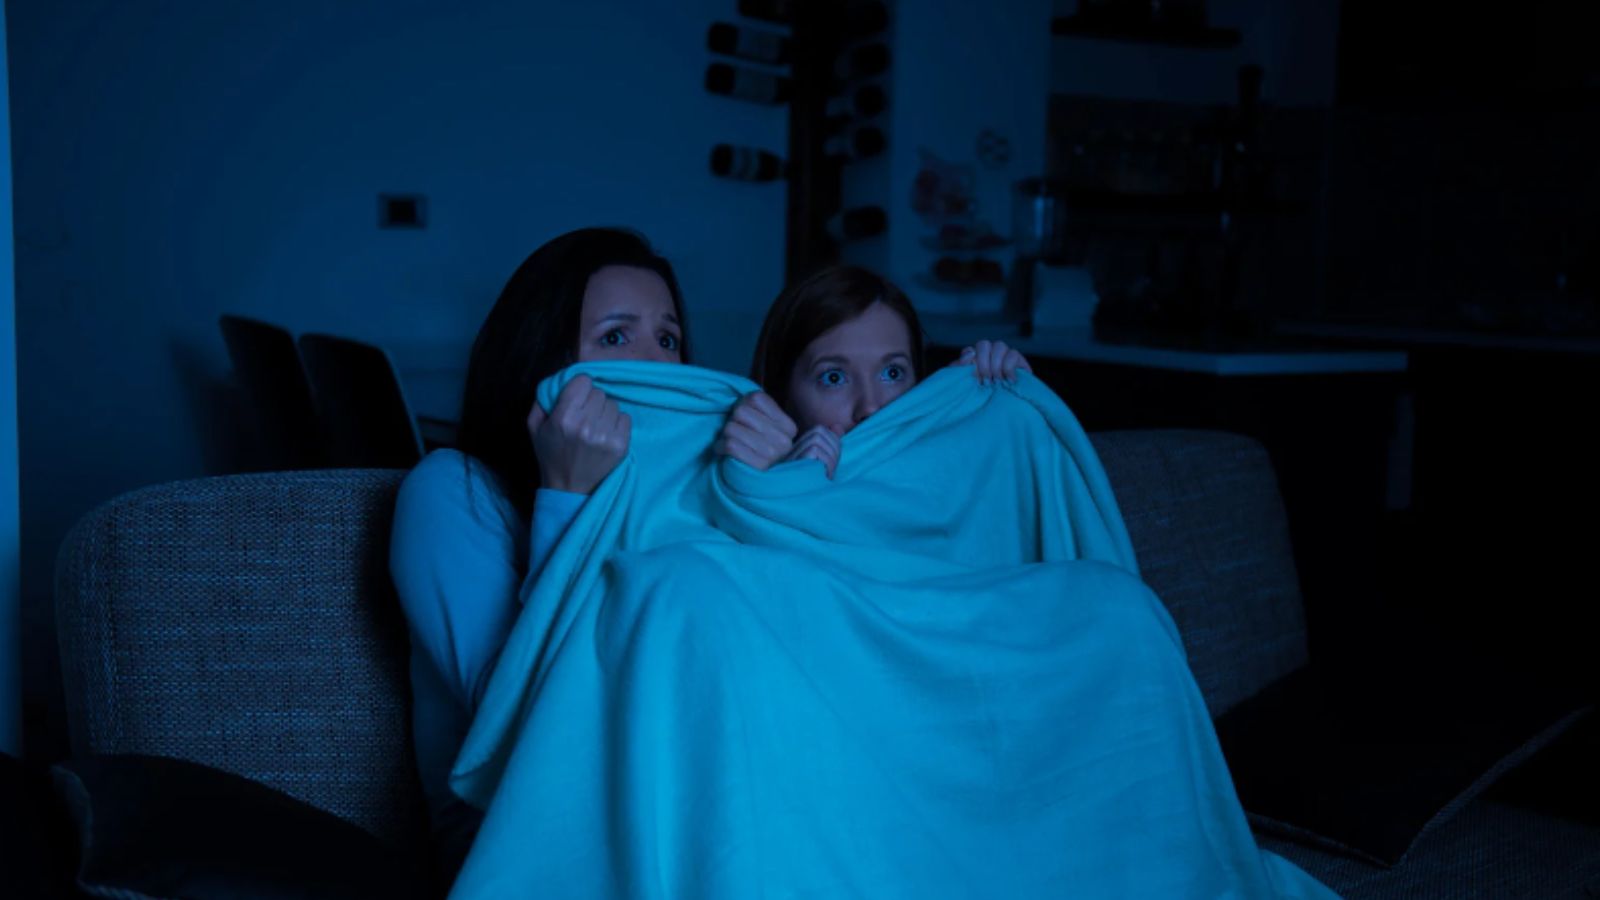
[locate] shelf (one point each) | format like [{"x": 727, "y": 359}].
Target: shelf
[
  {"x": 991, "y": 243},
  {"x": 1092, "y": 200},
  {"x": 928, "y": 282},
  {"x": 1167, "y": 35}
]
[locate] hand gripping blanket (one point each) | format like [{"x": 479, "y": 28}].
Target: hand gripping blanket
[{"x": 935, "y": 675}]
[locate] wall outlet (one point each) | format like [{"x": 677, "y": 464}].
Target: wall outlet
[{"x": 402, "y": 211}]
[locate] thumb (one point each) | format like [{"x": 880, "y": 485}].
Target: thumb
[{"x": 536, "y": 417}]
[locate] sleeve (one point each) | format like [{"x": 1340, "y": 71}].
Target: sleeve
[
  {"x": 553, "y": 511},
  {"x": 456, "y": 578},
  {"x": 454, "y": 558},
  {"x": 456, "y": 555}
]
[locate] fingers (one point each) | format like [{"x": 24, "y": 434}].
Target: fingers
[
  {"x": 572, "y": 395},
  {"x": 760, "y": 412},
  {"x": 756, "y": 448},
  {"x": 818, "y": 443},
  {"x": 992, "y": 353},
  {"x": 583, "y": 413},
  {"x": 725, "y": 447},
  {"x": 575, "y": 406},
  {"x": 582, "y": 439},
  {"x": 1012, "y": 363},
  {"x": 762, "y": 438},
  {"x": 992, "y": 361},
  {"x": 759, "y": 449},
  {"x": 602, "y": 425},
  {"x": 769, "y": 407},
  {"x": 823, "y": 441},
  {"x": 594, "y": 418},
  {"x": 829, "y": 463},
  {"x": 536, "y": 418},
  {"x": 624, "y": 433},
  {"x": 978, "y": 356},
  {"x": 575, "y": 394},
  {"x": 758, "y": 432},
  {"x": 735, "y": 444},
  {"x": 827, "y": 435}
]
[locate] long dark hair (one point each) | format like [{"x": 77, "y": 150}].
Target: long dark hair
[
  {"x": 532, "y": 333},
  {"x": 809, "y": 308}
]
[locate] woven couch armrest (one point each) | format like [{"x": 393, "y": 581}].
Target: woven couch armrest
[
  {"x": 1209, "y": 530},
  {"x": 248, "y": 623}
]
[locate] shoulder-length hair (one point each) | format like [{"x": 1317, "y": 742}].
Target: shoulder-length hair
[{"x": 811, "y": 307}]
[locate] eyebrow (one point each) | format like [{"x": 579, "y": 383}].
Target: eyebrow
[
  {"x": 631, "y": 317},
  {"x": 841, "y": 361}
]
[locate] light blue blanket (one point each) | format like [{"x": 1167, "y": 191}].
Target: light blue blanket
[{"x": 935, "y": 675}]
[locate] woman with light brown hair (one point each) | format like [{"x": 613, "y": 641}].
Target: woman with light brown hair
[{"x": 834, "y": 349}]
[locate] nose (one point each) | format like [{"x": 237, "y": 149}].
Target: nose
[{"x": 869, "y": 401}]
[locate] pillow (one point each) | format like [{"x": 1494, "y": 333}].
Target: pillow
[
  {"x": 151, "y": 826},
  {"x": 1366, "y": 763},
  {"x": 36, "y": 839}
]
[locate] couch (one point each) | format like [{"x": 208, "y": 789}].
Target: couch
[{"x": 247, "y": 623}]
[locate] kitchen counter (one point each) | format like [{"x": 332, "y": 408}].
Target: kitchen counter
[
  {"x": 1441, "y": 337},
  {"x": 1080, "y": 344}
]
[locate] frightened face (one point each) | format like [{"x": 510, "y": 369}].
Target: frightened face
[
  {"x": 851, "y": 371},
  {"x": 628, "y": 314}
]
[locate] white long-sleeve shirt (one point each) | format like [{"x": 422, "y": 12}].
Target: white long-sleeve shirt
[{"x": 459, "y": 555}]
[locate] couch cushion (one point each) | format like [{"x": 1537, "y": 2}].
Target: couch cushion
[
  {"x": 154, "y": 827},
  {"x": 247, "y": 623},
  {"x": 1488, "y": 850},
  {"x": 1208, "y": 527},
  {"x": 36, "y": 837},
  {"x": 1366, "y": 764}
]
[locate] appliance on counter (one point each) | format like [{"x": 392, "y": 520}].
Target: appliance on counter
[
  {"x": 1135, "y": 13},
  {"x": 1048, "y": 263},
  {"x": 1153, "y": 269}
]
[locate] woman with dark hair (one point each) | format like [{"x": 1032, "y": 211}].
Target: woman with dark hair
[
  {"x": 834, "y": 349},
  {"x": 588, "y": 295},
  {"x": 474, "y": 525}
]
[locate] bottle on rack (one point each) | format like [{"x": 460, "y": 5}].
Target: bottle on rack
[
  {"x": 973, "y": 271},
  {"x": 851, "y": 146},
  {"x": 864, "y": 61},
  {"x": 865, "y": 18},
  {"x": 780, "y": 12},
  {"x": 862, "y": 18},
  {"x": 1238, "y": 174},
  {"x": 862, "y": 102},
  {"x": 748, "y": 43},
  {"x": 746, "y": 163},
  {"x": 853, "y": 109},
  {"x": 1239, "y": 187},
  {"x": 748, "y": 84},
  {"x": 857, "y": 223}
]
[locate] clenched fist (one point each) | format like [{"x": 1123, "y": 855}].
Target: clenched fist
[{"x": 581, "y": 440}]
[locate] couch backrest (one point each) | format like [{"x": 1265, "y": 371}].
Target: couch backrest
[
  {"x": 248, "y": 622},
  {"x": 1208, "y": 527}
]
